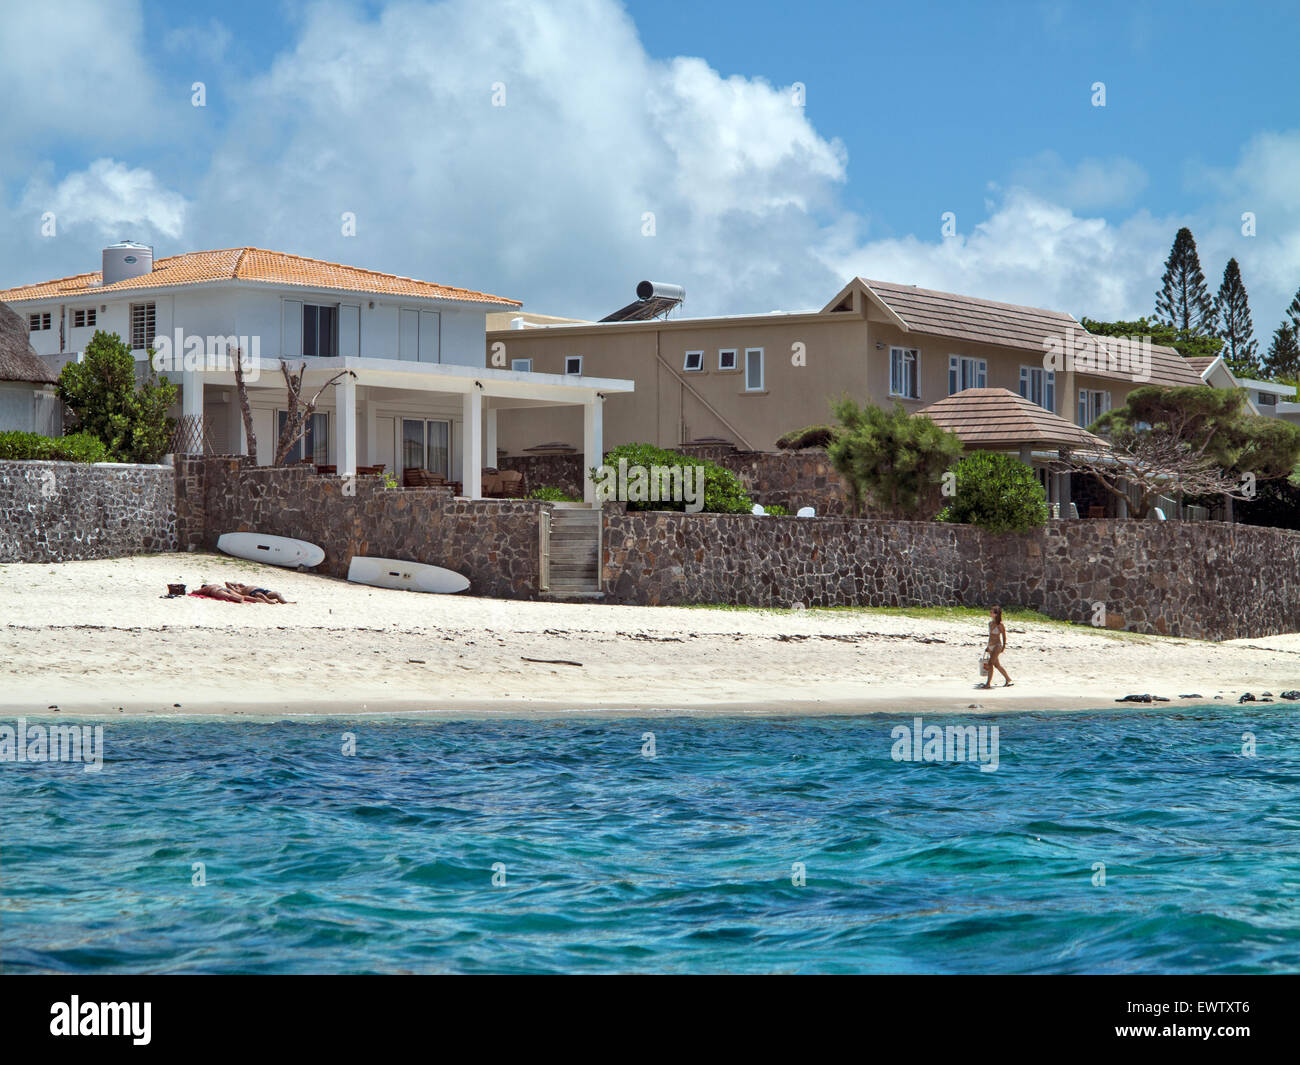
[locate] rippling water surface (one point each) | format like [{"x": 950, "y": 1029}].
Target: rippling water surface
[{"x": 384, "y": 861}]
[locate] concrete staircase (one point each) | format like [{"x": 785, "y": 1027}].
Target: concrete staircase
[{"x": 573, "y": 557}]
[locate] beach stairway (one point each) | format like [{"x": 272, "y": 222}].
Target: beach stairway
[{"x": 571, "y": 554}]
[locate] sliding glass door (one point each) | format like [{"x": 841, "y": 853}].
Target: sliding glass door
[{"x": 426, "y": 445}]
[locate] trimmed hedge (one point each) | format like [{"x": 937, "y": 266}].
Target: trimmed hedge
[
  {"x": 76, "y": 447},
  {"x": 723, "y": 491}
]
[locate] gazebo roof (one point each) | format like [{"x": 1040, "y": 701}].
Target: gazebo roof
[{"x": 995, "y": 418}]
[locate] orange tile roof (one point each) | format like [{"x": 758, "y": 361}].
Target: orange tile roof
[
  {"x": 995, "y": 417},
  {"x": 252, "y": 264}
]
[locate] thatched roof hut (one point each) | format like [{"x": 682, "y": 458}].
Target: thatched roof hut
[{"x": 18, "y": 359}]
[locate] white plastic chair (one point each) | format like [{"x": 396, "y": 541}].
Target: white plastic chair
[
  {"x": 758, "y": 510},
  {"x": 806, "y": 512}
]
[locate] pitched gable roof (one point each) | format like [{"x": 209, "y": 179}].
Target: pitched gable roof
[
  {"x": 967, "y": 318},
  {"x": 1007, "y": 325},
  {"x": 253, "y": 265},
  {"x": 996, "y": 418}
]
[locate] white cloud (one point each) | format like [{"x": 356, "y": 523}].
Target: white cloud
[
  {"x": 207, "y": 41},
  {"x": 1089, "y": 184},
  {"x": 112, "y": 198},
  {"x": 74, "y": 71},
  {"x": 392, "y": 118},
  {"x": 388, "y": 113}
]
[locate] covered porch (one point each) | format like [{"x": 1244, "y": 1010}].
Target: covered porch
[{"x": 438, "y": 417}]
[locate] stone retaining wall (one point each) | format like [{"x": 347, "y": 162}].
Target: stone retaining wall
[
  {"x": 492, "y": 542},
  {"x": 1206, "y": 580},
  {"x": 792, "y": 479},
  {"x": 65, "y": 511}
]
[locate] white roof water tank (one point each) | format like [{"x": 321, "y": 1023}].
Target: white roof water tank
[{"x": 126, "y": 259}]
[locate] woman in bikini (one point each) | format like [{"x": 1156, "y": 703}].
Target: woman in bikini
[{"x": 993, "y": 650}]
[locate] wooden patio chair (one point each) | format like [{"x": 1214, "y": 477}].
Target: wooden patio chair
[{"x": 512, "y": 484}]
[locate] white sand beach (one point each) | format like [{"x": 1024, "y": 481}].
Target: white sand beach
[{"x": 99, "y": 638}]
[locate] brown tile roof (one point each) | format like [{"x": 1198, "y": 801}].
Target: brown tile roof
[
  {"x": 1200, "y": 363},
  {"x": 18, "y": 359},
  {"x": 252, "y": 264},
  {"x": 966, "y": 318},
  {"x": 1010, "y": 325},
  {"x": 1167, "y": 368},
  {"x": 996, "y": 418}
]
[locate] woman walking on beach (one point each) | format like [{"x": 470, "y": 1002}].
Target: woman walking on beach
[{"x": 993, "y": 650}]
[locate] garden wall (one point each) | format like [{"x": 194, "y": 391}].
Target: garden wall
[
  {"x": 65, "y": 511},
  {"x": 492, "y": 542},
  {"x": 792, "y": 479},
  {"x": 1206, "y": 580}
]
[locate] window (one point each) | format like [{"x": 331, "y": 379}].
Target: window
[
  {"x": 314, "y": 443},
  {"x": 426, "y": 445},
  {"x": 573, "y": 365},
  {"x": 694, "y": 362},
  {"x": 903, "y": 365},
  {"x": 1092, "y": 405},
  {"x": 1039, "y": 386},
  {"x": 144, "y": 325},
  {"x": 81, "y": 319},
  {"x": 964, "y": 373},
  {"x": 320, "y": 330},
  {"x": 727, "y": 359},
  {"x": 37, "y": 322},
  {"x": 753, "y": 369},
  {"x": 524, "y": 365},
  {"x": 1267, "y": 399}
]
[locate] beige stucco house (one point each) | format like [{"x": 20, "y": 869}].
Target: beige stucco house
[{"x": 751, "y": 378}]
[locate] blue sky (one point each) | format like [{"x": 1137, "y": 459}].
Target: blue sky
[{"x": 678, "y": 110}]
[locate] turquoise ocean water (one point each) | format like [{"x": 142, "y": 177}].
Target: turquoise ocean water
[{"x": 316, "y": 861}]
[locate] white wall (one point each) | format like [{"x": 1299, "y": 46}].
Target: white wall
[{"x": 434, "y": 332}]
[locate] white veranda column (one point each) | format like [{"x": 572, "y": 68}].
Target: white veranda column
[
  {"x": 593, "y": 443},
  {"x": 490, "y": 448},
  {"x": 345, "y": 425},
  {"x": 471, "y": 458}
]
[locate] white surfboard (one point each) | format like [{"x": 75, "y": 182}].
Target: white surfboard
[
  {"x": 406, "y": 576},
  {"x": 277, "y": 550}
]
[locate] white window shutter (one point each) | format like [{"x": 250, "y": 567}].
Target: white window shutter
[
  {"x": 292, "y": 329},
  {"x": 429, "y": 323},
  {"x": 349, "y": 330}
]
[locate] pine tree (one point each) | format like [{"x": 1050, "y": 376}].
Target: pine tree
[
  {"x": 1234, "y": 325},
  {"x": 1183, "y": 300},
  {"x": 1293, "y": 311},
  {"x": 1282, "y": 363}
]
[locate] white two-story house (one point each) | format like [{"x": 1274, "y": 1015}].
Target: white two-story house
[{"x": 420, "y": 392}]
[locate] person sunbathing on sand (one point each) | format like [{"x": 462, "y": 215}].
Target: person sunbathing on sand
[
  {"x": 216, "y": 591},
  {"x": 993, "y": 650},
  {"x": 256, "y": 595}
]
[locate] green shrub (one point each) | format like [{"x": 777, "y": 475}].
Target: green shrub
[
  {"x": 891, "y": 458},
  {"x": 101, "y": 391},
  {"x": 551, "y": 494},
  {"x": 77, "y": 447},
  {"x": 775, "y": 510},
  {"x": 810, "y": 436},
  {"x": 723, "y": 491},
  {"x": 997, "y": 492}
]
